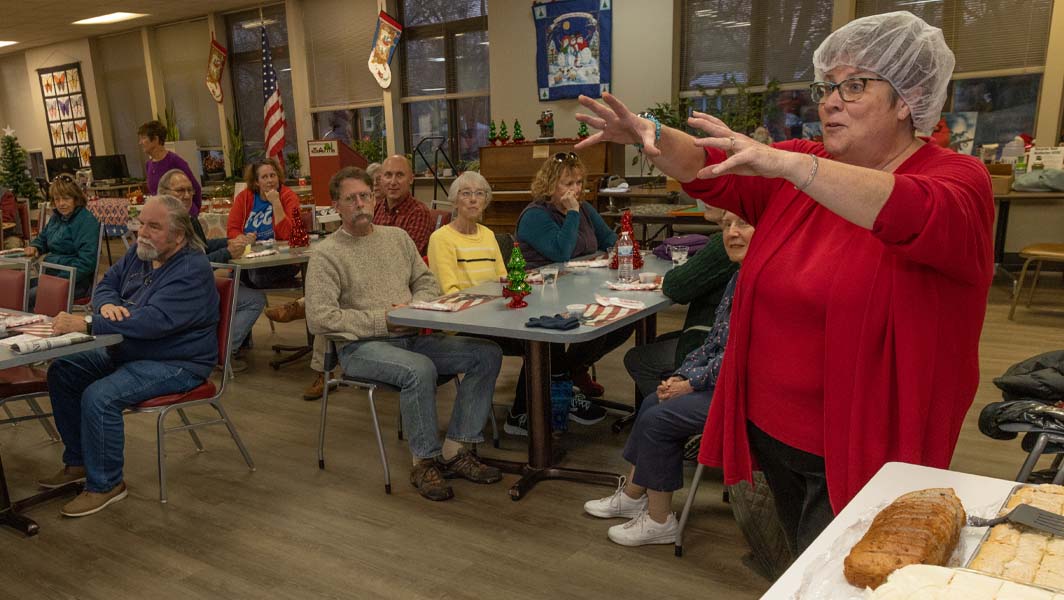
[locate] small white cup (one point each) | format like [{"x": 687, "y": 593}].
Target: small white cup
[
  {"x": 576, "y": 309},
  {"x": 648, "y": 277},
  {"x": 550, "y": 275}
]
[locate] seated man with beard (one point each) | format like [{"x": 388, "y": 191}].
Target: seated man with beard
[{"x": 161, "y": 298}]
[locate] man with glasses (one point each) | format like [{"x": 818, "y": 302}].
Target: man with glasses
[
  {"x": 249, "y": 302},
  {"x": 355, "y": 277}
]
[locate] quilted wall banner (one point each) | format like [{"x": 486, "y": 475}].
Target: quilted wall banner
[
  {"x": 66, "y": 112},
  {"x": 573, "y": 48}
]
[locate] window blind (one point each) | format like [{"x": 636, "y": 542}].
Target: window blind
[
  {"x": 183, "y": 78},
  {"x": 125, "y": 84},
  {"x": 750, "y": 41},
  {"x": 985, "y": 35},
  {"x": 339, "y": 35}
]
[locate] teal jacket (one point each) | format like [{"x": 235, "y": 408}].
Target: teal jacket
[{"x": 72, "y": 242}]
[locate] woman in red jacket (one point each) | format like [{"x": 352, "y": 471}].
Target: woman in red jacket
[
  {"x": 856, "y": 322},
  {"x": 264, "y": 211}
]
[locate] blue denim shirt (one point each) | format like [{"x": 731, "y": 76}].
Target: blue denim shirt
[{"x": 702, "y": 365}]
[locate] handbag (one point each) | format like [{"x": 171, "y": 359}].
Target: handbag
[{"x": 693, "y": 241}]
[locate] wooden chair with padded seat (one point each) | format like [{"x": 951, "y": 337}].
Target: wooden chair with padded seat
[
  {"x": 1037, "y": 253},
  {"x": 205, "y": 394}
]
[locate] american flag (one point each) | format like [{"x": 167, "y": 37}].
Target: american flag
[{"x": 273, "y": 113}]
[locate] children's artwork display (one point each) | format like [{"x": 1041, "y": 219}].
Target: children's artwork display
[
  {"x": 66, "y": 112},
  {"x": 573, "y": 48}
]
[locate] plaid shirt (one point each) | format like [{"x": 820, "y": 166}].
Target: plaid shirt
[{"x": 411, "y": 216}]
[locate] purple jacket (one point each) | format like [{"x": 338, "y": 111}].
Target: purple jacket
[{"x": 156, "y": 169}]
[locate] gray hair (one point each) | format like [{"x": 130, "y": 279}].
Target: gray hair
[
  {"x": 469, "y": 179},
  {"x": 372, "y": 169},
  {"x": 164, "y": 181},
  {"x": 180, "y": 220}
]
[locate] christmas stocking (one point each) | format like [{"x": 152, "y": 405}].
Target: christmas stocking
[
  {"x": 215, "y": 65},
  {"x": 385, "y": 41}
]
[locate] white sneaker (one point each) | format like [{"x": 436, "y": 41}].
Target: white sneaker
[
  {"x": 644, "y": 530},
  {"x": 617, "y": 505}
]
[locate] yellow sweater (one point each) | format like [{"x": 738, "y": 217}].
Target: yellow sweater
[{"x": 460, "y": 261}]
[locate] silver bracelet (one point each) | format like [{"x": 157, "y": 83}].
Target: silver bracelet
[{"x": 812, "y": 174}]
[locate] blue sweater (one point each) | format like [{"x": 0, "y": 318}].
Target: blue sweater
[
  {"x": 547, "y": 236},
  {"x": 173, "y": 311},
  {"x": 72, "y": 241}
]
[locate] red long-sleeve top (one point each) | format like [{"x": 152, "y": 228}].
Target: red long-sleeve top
[
  {"x": 859, "y": 346},
  {"x": 245, "y": 201}
]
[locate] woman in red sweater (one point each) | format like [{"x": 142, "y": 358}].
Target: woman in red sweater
[
  {"x": 856, "y": 322},
  {"x": 264, "y": 211}
]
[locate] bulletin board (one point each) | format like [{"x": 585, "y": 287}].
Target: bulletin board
[{"x": 66, "y": 111}]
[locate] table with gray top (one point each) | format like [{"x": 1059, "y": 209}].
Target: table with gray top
[
  {"x": 496, "y": 319},
  {"x": 10, "y": 512},
  {"x": 284, "y": 256}
]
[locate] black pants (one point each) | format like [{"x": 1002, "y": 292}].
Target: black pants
[
  {"x": 563, "y": 361},
  {"x": 799, "y": 486}
]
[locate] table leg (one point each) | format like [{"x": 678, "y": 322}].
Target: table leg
[
  {"x": 1000, "y": 233},
  {"x": 540, "y": 465},
  {"x": 9, "y": 516}
]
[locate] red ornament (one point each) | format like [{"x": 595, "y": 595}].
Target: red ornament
[{"x": 637, "y": 256}]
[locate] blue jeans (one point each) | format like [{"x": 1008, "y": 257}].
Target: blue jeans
[
  {"x": 412, "y": 364},
  {"x": 89, "y": 392},
  {"x": 249, "y": 305},
  {"x": 661, "y": 429}
]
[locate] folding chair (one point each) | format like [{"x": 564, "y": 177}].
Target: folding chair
[
  {"x": 86, "y": 302},
  {"x": 55, "y": 294},
  {"x": 14, "y": 283},
  {"x": 440, "y": 217},
  {"x": 206, "y": 394}
]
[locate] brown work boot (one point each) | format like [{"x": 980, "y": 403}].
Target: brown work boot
[
  {"x": 466, "y": 465},
  {"x": 68, "y": 474},
  {"x": 315, "y": 390},
  {"x": 429, "y": 482},
  {"x": 287, "y": 312},
  {"x": 88, "y": 503}
]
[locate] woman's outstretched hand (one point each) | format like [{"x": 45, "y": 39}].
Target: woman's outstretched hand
[
  {"x": 746, "y": 156},
  {"x": 615, "y": 123}
]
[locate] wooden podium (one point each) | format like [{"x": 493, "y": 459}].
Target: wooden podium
[
  {"x": 510, "y": 169},
  {"x": 326, "y": 158}
]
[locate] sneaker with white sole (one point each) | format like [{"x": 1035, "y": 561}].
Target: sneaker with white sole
[
  {"x": 516, "y": 424},
  {"x": 619, "y": 504},
  {"x": 644, "y": 530},
  {"x": 582, "y": 411},
  {"x": 88, "y": 503}
]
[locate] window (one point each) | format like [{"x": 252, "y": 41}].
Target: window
[
  {"x": 1000, "y": 47},
  {"x": 339, "y": 35},
  {"x": 759, "y": 54},
  {"x": 445, "y": 83},
  {"x": 126, "y": 84},
  {"x": 245, "y": 67},
  {"x": 362, "y": 129}
]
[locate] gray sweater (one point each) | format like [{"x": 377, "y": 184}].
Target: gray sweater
[{"x": 352, "y": 282}]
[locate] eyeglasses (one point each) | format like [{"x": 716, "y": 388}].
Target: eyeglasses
[
  {"x": 850, "y": 90},
  {"x": 467, "y": 194},
  {"x": 65, "y": 177},
  {"x": 566, "y": 157},
  {"x": 363, "y": 196},
  {"x": 181, "y": 191}
]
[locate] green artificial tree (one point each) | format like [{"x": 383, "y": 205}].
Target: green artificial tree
[
  {"x": 503, "y": 133},
  {"x": 582, "y": 132},
  {"x": 491, "y": 132},
  {"x": 13, "y": 172},
  {"x": 517, "y": 288},
  {"x": 519, "y": 135}
]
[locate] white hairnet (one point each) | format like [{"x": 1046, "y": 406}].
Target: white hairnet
[{"x": 901, "y": 48}]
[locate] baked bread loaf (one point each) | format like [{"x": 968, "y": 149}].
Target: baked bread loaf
[{"x": 920, "y": 527}]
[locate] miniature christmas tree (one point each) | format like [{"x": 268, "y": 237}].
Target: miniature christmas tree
[
  {"x": 626, "y": 225},
  {"x": 13, "y": 172},
  {"x": 298, "y": 238},
  {"x": 503, "y": 133},
  {"x": 519, "y": 136},
  {"x": 491, "y": 132},
  {"x": 582, "y": 132},
  {"x": 517, "y": 288}
]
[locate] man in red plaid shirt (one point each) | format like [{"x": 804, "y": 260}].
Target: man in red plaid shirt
[{"x": 400, "y": 208}]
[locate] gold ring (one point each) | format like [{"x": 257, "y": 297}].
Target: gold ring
[{"x": 731, "y": 143}]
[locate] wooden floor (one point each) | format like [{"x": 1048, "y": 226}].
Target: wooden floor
[{"x": 289, "y": 530}]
